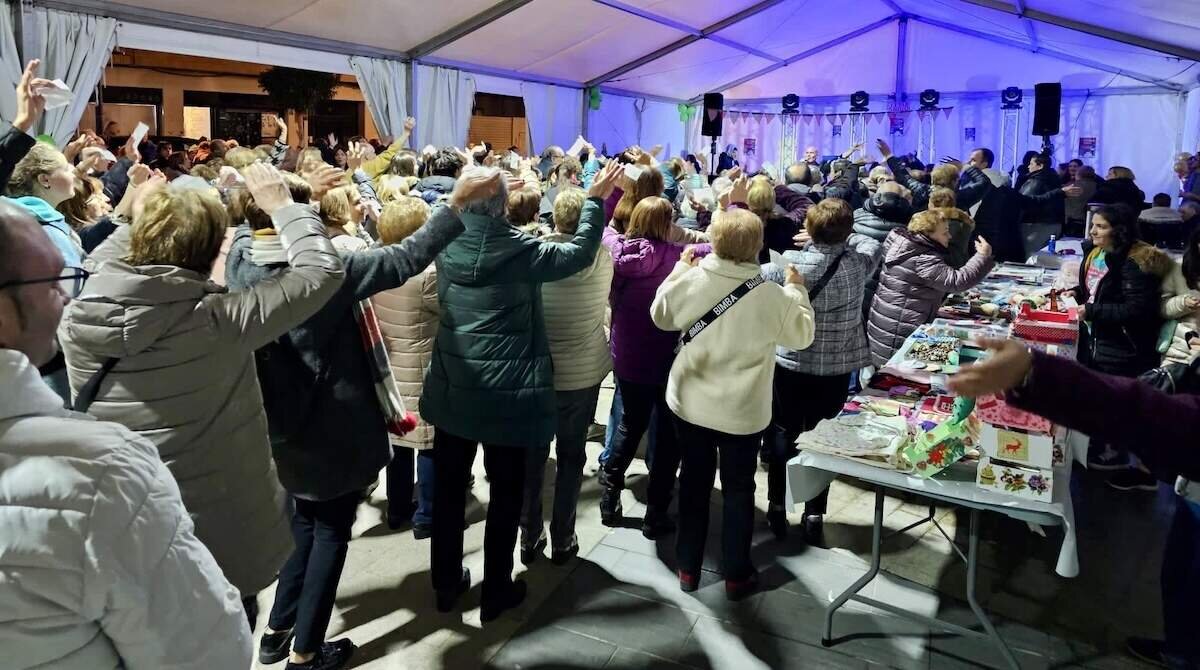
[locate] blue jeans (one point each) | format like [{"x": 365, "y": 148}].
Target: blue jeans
[
  {"x": 614, "y": 419},
  {"x": 1181, "y": 584},
  {"x": 575, "y": 412},
  {"x": 400, "y": 486}
]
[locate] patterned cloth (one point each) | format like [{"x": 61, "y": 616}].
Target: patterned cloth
[
  {"x": 840, "y": 344},
  {"x": 399, "y": 420}
]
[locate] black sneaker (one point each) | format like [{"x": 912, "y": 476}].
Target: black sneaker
[
  {"x": 1107, "y": 461},
  {"x": 1133, "y": 479},
  {"x": 814, "y": 530},
  {"x": 422, "y": 531},
  {"x": 274, "y": 647},
  {"x": 656, "y": 525},
  {"x": 562, "y": 556},
  {"x": 493, "y": 607},
  {"x": 1147, "y": 650},
  {"x": 530, "y": 555},
  {"x": 447, "y": 599},
  {"x": 331, "y": 656},
  {"x": 611, "y": 512}
]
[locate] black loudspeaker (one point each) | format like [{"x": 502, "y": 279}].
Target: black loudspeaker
[
  {"x": 713, "y": 115},
  {"x": 1047, "y": 107}
]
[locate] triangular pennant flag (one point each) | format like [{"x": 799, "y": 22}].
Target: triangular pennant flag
[
  {"x": 946, "y": 111},
  {"x": 712, "y": 114}
]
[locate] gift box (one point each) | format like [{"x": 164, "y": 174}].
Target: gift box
[
  {"x": 1015, "y": 480},
  {"x": 1046, "y": 326},
  {"x": 1032, "y": 449},
  {"x": 992, "y": 409}
]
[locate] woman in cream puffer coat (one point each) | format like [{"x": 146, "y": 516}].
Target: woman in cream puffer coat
[{"x": 408, "y": 319}]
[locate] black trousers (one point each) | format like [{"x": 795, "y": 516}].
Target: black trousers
[
  {"x": 640, "y": 400},
  {"x": 799, "y": 402},
  {"x": 505, "y": 466},
  {"x": 738, "y": 456},
  {"x": 309, "y": 579}
]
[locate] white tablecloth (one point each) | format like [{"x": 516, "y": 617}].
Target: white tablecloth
[{"x": 810, "y": 472}]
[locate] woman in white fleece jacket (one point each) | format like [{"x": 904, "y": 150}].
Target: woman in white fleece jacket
[{"x": 720, "y": 386}]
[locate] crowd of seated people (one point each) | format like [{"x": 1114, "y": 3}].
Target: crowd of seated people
[{"x": 256, "y": 333}]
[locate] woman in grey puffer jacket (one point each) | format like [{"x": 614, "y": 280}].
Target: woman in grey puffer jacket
[
  {"x": 915, "y": 279},
  {"x": 890, "y": 207}
]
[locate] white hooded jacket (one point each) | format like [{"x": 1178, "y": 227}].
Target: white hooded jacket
[{"x": 99, "y": 567}]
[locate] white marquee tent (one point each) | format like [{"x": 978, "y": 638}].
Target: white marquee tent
[{"x": 1130, "y": 69}]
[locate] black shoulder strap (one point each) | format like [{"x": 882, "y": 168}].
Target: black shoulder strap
[
  {"x": 87, "y": 394},
  {"x": 829, "y": 273},
  {"x": 718, "y": 309}
]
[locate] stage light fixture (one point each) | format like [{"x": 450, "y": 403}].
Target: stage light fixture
[
  {"x": 859, "y": 101},
  {"x": 930, "y": 99},
  {"x": 1011, "y": 97},
  {"x": 791, "y": 104}
]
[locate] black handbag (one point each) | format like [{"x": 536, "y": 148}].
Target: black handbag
[{"x": 1174, "y": 378}]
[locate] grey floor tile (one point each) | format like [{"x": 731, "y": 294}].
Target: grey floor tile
[
  {"x": 552, "y": 647},
  {"x": 624, "y": 619},
  {"x": 721, "y": 645},
  {"x": 881, "y": 638},
  {"x": 628, "y": 659}
]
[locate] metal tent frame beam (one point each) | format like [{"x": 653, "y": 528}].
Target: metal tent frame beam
[
  {"x": 684, "y": 41},
  {"x": 1183, "y": 52},
  {"x": 1053, "y": 53},
  {"x": 805, "y": 54},
  {"x": 493, "y": 13},
  {"x": 684, "y": 28},
  {"x": 1030, "y": 31}
]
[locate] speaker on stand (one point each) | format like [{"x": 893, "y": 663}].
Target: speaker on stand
[
  {"x": 711, "y": 125},
  {"x": 1047, "y": 108}
]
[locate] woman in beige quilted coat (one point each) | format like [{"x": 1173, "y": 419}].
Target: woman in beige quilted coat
[{"x": 408, "y": 318}]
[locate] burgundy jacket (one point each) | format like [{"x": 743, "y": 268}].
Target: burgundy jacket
[{"x": 1161, "y": 429}]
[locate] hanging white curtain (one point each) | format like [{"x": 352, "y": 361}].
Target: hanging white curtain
[
  {"x": 383, "y": 83},
  {"x": 445, "y": 98},
  {"x": 10, "y": 66},
  {"x": 1191, "y": 122},
  {"x": 74, "y": 48},
  {"x": 554, "y": 114}
]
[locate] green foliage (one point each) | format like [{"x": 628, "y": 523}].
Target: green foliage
[{"x": 299, "y": 90}]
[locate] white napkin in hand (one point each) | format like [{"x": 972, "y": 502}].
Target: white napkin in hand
[{"x": 56, "y": 93}]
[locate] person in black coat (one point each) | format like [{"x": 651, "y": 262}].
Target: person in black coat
[
  {"x": 727, "y": 160},
  {"x": 998, "y": 219},
  {"x": 1119, "y": 188},
  {"x": 17, "y": 141}
]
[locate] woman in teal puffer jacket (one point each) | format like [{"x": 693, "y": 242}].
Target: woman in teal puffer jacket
[{"x": 491, "y": 381}]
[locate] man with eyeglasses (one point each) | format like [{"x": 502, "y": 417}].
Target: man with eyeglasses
[{"x": 99, "y": 565}]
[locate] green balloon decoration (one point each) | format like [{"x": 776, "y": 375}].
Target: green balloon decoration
[
  {"x": 686, "y": 112},
  {"x": 593, "y": 98},
  {"x": 47, "y": 139}
]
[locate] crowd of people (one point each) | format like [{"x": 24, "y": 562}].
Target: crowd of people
[{"x": 256, "y": 333}]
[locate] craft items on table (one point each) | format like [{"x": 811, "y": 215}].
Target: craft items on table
[{"x": 1014, "y": 480}]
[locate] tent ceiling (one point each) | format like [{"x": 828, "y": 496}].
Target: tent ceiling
[{"x": 680, "y": 50}]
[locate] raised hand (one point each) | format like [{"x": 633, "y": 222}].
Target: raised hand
[
  {"x": 267, "y": 188},
  {"x": 793, "y": 276},
  {"x": 324, "y": 179},
  {"x": 1005, "y": 369},
  {"x": 138, "y": 174},
  {"x": 884, "y": 149},
  {"x": 740, "y": 191},
  {"x": 409, "y": 124},
  {"x": 130, "y": 150},
  {"x": 473, "y": 185},
  {"x": 606, "y": 180},
  {"x": 332, "y": 139},
  {"x": 802, "y": 239},
  {"x": 75, "y": 146},
  {"x": 1072, "y": 191},
  {"x": 356, "y": 156},
  {"x": 982, "y": 247},
  {"x": 950, "y": 160},
  {"x": 282, "y": 125},
  {"x": 30, "y": 103}
]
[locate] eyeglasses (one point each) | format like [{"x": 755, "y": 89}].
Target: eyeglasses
[{"x": 70, "y": 282}]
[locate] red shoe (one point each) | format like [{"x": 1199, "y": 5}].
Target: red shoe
[
  {"x": 736, "y": 590},
  {"x": 688, "y": 582}
]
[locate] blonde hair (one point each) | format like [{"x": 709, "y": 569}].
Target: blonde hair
[
  {"x": 180, "y": 227},
  {"x": 737, "y": 236},
  {"x": 942, "y": 197},
  {"x": 336, "y": 206},
  {"x": 309, "y": 160},
  {"x": 401, "y": 219},
  {"x": 75, "y": 208},
  {"x": 393, "y": 188},
  {"x": 523, "y": 206},
  {"x": 41, "y": 159},
  {"x": 1121, "y": 172},
  {"x": 927, "y": 222},
  {"x": 649, "y": 184},
  {"x": 761, "y": 198},
  {"x": 240, "y": 157},
  {"x": 567, "y": 208},
  {"x": 651, "y": 219},
  {"x": 829, "y": 221},
  {"x": 945, "y": 176}
]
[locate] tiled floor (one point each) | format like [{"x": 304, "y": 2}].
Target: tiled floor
[{"x": 619, "y": 605}]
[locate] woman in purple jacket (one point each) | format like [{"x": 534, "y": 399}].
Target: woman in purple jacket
[{"x": 642, "y": 357}]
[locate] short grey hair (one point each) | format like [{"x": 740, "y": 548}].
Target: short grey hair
[{"x": 495, "y": 206}]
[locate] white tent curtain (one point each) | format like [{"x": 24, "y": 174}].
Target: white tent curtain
[
  {"x": 554, "y": 114},
  {"x": 10, "y": 66},
  {"x": 1191, "y": 122},
  {"x": 445, "y": 98},
  {"x": 74, "y": 48},
  {"x": 383, "y": 83},
  {"x": 616, "y": 125}
]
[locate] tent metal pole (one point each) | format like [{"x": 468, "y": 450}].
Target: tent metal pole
[
  {"x": 684, "y": 28},
  {"x": 802, "y": 55},
  {"x": 1183, "y": 52},
  {"x": 410, "y": 96},
  {"x": 1060, "y": 55},
  {"x": 901, "y": 59},
  {"x": 684, "y": 41},
  {"x": 1029, "y": 30},
  {"x": 493, "y": 13}
]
